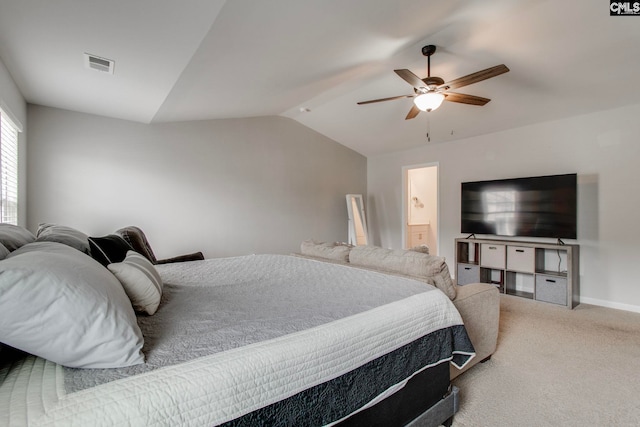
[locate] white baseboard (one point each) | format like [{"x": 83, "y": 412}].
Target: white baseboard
[{"x": 609, "y": 304}]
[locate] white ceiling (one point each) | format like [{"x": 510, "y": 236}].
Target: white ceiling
[{"x": 211, "y": 59}]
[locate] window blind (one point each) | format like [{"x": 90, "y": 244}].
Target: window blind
[{"x": 8, "y": 170}]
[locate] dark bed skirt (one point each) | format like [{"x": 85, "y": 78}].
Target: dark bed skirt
[
  {"x": 420, "y": 393},
  {"x": 336, "y": 399}
]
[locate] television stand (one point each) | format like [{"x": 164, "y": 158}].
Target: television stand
[{"x": 541, "y": 271}]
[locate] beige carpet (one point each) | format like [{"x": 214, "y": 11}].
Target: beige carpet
[{"x": 555, "y": 366}]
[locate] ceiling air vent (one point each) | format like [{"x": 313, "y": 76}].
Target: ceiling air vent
[{"x": 99, "y": 64}]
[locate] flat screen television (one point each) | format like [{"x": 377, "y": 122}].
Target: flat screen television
[{"x": 542, "y": 206}]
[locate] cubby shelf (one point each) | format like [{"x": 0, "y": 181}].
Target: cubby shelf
[{"x": 541, "y": 271}]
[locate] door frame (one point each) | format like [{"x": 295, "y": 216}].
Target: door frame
[{"x": 405, "y": 202}]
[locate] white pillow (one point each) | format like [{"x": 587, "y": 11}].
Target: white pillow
[
  {"x": 140, "y": 281},
  {"x": 62, "y": 305}
]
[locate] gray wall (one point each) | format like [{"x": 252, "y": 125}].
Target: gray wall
[
  {"x": 226, "y": 187},
  {"x": 601, "y": 148}
]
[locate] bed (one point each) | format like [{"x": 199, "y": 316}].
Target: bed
[{"x": 260, "y": 340}]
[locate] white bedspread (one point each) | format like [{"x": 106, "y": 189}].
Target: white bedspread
[{"x": 228, "y": 384}]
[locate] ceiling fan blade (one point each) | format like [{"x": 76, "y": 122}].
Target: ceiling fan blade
[
  {"x": 410, "y": 78},
  {"x": 385, "y": 99},
  {"x": 476, "y": 77},
  {"x": 465, "y": 99},
  {"x": 412, "y": 113}
]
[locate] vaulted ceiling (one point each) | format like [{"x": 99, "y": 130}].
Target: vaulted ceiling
[{"x": 313, "y": 60}]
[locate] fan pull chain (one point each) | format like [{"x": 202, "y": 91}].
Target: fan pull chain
[{"x": 428, "y": 129}]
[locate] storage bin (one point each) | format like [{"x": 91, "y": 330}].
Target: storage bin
[
  {"x": 492, "y": 256},
  {"x": 551, "y": 289},
  {"x": 521, "y": 259},
  {"x": 468, "y": 273}
]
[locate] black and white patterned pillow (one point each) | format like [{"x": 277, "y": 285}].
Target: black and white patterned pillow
[{"x": 109, "y": 249}]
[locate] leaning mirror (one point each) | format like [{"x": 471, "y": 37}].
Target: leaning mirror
[{"x": 358, "y": 234}]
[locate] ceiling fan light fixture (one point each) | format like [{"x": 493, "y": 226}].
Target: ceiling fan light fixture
[{"x": 428, "y": 101}]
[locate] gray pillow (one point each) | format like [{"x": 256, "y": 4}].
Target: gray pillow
[
  {"x": 3, "y": 252},
  {"x": 423, "y": 249},
  {"x": 14, "y": 236},
  {"x": 431, "y": 269},
  {"x": 63, "y": 234},
  {"x": 62, "y": 305},
  {"x": 333, "y": 251}
]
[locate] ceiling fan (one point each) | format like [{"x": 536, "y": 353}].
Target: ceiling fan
[{"x": 431, "y": 91}]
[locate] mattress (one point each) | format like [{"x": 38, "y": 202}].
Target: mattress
[{"x": 268, "y": 329}]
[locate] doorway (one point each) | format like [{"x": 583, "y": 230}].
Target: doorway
[{"x": 420, "y": 211}]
